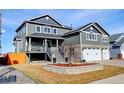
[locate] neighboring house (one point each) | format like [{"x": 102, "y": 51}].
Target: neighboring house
[
  {"x": 43, "y": 38},
  {"x": 117, "y": 46}
]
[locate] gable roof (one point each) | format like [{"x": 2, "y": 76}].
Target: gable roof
[
  {"x": 85, "y": 27},
  {"x": 33, "y": 22},
  {"x": 40, "y": 17},
  {"x": 120, "y": 42},
  {"x": 114, "y": 37}
]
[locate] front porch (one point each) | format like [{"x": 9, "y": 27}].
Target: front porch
[{"x": 42, "y": 49}]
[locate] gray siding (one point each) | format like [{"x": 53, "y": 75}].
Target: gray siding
[
  {"x": 93, "y": 30},
  {"x": 22, "y": 31},
  {"x": 85, "y": 41},
  {"x": 31, "y": 29},
  {"x": 45, "y": 21},
  {"x": 72, "y": 40}
]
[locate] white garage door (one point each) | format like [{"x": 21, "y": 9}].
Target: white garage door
[
  {"x": 105, "y": 54},
  {"x": 91, "y": 54}
]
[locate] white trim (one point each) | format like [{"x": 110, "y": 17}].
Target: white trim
[
  {"x": 36, "y": 28},
  {"x": 47, "y": 29},
  {"x": 98, "y": 29},
  {"x": 56, "y": 31},
  {"x": 105, "y": 36},
  {"x": 26, "y": 30},
  {"x": 50, "y": 30},
  {"x": 91, "y": 39}
]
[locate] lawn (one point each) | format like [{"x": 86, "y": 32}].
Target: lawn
[{"x": 39, "y": 75}]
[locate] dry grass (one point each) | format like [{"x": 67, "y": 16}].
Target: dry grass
[{"x": 38, "y": 74}]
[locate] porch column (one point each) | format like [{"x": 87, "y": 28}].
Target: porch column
[
  {"x": 45, "y": 44},
  {"x": 29, "y": 58},
  {"x": 57, "y": 45},
  {"x": 26, "y": 44},
  {"x": 29, "y": 48}
]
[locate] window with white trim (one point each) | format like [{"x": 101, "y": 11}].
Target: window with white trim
[
  {"x": 38, "y": 29},
  {"x": 91, "y": 36},
  {"x": 55, "y": 31},
  {"x": 47, "y": 30},
  {"x": 104, "y": 38}
]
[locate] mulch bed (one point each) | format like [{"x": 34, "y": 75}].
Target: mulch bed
[{"x": 73, "y": 65}]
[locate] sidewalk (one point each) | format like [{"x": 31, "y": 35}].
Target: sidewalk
[{"x": 21, "y": 78}]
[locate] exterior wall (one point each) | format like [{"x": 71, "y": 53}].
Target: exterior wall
[
  {"x": 72, "y": 40},
  {"x": 46, "y": 20},
  {"x": 72, "y": 43},
  {"x": 21, "y": 31},
  {"x": 84, "y": 41},
  {"x": 114, "y": 52},
  {"x": 75, "y": 56},
  {"x": 31, "y": 29},
  {"x": 98, "y": 42}
]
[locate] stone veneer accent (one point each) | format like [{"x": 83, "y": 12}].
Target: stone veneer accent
[{"x": 73, "y": 70}]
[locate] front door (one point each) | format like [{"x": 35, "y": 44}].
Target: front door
[{"x": 49, "y": 43}]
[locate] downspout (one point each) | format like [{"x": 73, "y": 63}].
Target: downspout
[{"x": 80, "y": 46}]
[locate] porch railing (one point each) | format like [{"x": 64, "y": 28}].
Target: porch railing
[
  {"x": 61, "y": 51},
  {"x": 37, "y": 48},
  {"x": 49, "y": 52}
]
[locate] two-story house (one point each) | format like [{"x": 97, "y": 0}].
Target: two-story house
[
  {"x": 117, "y": 46},
  {"x": 43, "y": 38},
  {"x": 39, "y": 37}
]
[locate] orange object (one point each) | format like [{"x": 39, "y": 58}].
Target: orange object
[{"x": 16, "y": 58}]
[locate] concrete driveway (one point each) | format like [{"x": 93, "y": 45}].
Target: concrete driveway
[
  {"x": 118, "y": 79},
  {"x": 119, "y": 63}
]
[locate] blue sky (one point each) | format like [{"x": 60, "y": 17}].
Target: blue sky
[{"x": 111, "y": 20}]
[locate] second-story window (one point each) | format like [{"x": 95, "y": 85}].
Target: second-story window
[
  {"x": 55, "y": 31},
  {"x": 104, "y": 38},
  {"x": 47, "y": 29},
  {"x": 91, "y": 36},
  {"x": 38, "y": 29}
]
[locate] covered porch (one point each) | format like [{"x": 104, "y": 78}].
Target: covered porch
[{"x": 42, "y": 48}]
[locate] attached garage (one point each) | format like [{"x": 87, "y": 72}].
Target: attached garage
[
  {"x": 95, "y": 54},
  {"x": 105, "y": 54},
  {"x": 91, "y": 54}
]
